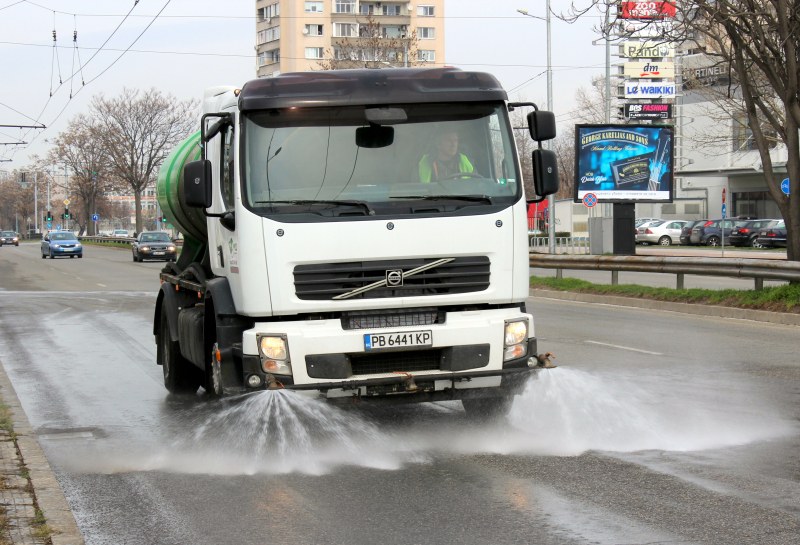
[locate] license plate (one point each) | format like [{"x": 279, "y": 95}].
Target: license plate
[
  {"x": 395, "y": 340},
  {"x": 158, "y": 253}
]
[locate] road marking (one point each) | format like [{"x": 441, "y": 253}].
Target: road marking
[
  {"x": 102, "y": 285},
  {"x": 626, "y": 348}
]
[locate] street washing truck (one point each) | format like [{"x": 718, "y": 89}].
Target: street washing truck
[{"x": 334, "y": 247}]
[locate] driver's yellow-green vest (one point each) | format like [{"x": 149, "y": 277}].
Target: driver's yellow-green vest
[{"x": 427, "y": 167}]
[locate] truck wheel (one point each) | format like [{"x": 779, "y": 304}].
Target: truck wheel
[
  {"x": 214, "y": 375},
  {"x": 179, "y": 376},
  {"x": 487, "y": 408}
]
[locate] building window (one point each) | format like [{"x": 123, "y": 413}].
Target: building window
[
  {"x": 269, "y": 57},
  {"x": 315, "y": 52},
  {"x": 425, "y": 11},
  {"x": 344, "y": 6},
  {"x": 268, "y": 12},
  {"x": 391, "y": 10},
  {"x": 426, "y": 33},
  {"x": 313, "y": 7},
  {"x": 269, "y": 35},
  {"x": 427, "y": 55},
  {"x": 345, "y": 30},
  {"x": 313, "y": 30}
]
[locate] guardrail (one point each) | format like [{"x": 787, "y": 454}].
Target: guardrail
[
  {"x": 564, "y": 245},
  {"x": 757, "y": 269}
]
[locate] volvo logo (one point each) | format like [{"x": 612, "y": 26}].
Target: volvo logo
[{"x": 394, "y": 277}]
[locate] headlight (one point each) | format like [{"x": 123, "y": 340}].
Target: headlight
[
  {"x": 56, "y": 246},
  {"x": 516, "y": 340},
  {"x": 170, "y": 248},
  {"x": 78, "y": 245},
  {"x": 144, "y": 248},
  {"x": 274, "y": 353},
  {"x": 516, "y": 332}
]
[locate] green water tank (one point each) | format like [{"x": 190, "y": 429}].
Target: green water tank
[{"x": 169, "y": 191}]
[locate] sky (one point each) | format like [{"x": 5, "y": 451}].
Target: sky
[{"x": 181, "y": 47}]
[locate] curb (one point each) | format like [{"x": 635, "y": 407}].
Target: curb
[
  {"x": 49, "y": 495},
  {"x": 783, "y": 318}
]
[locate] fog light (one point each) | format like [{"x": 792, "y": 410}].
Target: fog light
[
  {"x": 254, "y": 381},
  {"x": 516, "y": 332}
]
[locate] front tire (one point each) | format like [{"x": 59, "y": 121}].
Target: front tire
[{"x": 179, "y": 375}]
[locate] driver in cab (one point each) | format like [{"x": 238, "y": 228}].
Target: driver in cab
[{"x": 445, "y": 162}]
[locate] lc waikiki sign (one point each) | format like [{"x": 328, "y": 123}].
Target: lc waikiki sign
[{"x": 649, "y": 89}]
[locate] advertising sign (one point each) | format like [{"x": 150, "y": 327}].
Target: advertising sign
[
  {"x": 646, "y": 10},
  {"x": 645, "y": 29},
  {"x": 649, "y": 69},
  {"x": 647, "y": 50},
  {"x": 648, "y": 111},
  {"x": 649, "y": 89},
  {"x": 624, "y": 163}
]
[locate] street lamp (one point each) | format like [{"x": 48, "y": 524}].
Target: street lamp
[{"x": 551, "y": 207}]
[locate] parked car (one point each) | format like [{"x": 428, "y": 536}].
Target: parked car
[
  {"x": 686, "y": 232},
  {"x": 746, "y": 233},
  {"x": 710, "y": 232},
  {"x": 645, "y": 225},
  {"x": 120, "y": 233},
  {"x": 9, "y": 237},
  {"x": 154, "y": 245},
  {"x": 773, "y": 235},
  {"x": 663, "y": 233},
  {"x": 638, "y": 222},
  {"x": 61, "y": 243}
]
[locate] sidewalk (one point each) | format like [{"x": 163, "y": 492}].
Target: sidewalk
[{"x": 33, "y": 509}]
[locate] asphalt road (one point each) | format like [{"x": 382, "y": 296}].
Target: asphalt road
[{"x": 657, "y": 427}]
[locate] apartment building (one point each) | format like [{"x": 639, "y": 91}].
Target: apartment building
[{"x": 301, "y": 35}]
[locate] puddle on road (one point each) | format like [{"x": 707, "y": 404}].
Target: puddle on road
[{"x": 561, "y": 412}]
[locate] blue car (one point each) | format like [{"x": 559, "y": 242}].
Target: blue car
[{"x": 61, "y": 243}]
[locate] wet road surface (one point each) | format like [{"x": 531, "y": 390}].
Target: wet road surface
[{"x": 656, "y": 428}]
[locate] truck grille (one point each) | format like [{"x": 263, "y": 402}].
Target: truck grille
[
  {"x": 390, "y": 362},
  {"x": 391, "y": 318},
  {"x": 321, "y": 282}
]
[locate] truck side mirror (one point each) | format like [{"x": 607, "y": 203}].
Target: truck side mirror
[
  {"x": 197, "y": 183},
  {"x": 542, "y": 125},
  {"x": 545, "y": 172}
]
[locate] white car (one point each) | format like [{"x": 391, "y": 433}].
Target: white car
[
  {"x": 120, "y": 233},
  {"x": 664, "y": 233}
]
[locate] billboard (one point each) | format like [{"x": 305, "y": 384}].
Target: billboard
[
  {"x": 649, "y": 69},
  {"x": 649, "y": 89},
  {"x": 646, "y": 50},
  {"x": 646, "y": 10},
  {"x": 624, "y": 163},
  {"x": 648, "y": 111}
]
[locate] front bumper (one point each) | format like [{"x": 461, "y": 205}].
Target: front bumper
[{"x": 464, "y": 360}]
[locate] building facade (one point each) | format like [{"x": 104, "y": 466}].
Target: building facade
[{"x": 302, "y": 35}]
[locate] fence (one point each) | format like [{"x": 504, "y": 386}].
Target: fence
[
  {"x": 757, "y": 269},
  {"x": 564, "y": 245}
]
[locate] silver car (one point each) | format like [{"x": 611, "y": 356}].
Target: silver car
[{"x": 664, "y": 233}]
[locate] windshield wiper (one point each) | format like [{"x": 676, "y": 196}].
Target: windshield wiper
[
  {"x": 361, "y": 204},
  {"x": 472, "y": 198}
]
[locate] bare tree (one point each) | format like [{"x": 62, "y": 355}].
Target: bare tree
[
  {"x": 758, "y": 44},
  {"x": 373, "y": 45},
  {"x": 79, "y": 149},
  {"x": 137, "y": 130}
]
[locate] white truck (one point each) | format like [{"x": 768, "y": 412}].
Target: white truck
[{"x": 324, "y": 253}]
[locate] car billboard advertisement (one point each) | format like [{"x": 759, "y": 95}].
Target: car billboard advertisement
[{"x": 624, "y": 163}]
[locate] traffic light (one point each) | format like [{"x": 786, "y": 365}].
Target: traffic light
[
  {"x": 66, "y": 213},
  {"x": 163, "y": 219},
  {"x": 49, "y": 216}
]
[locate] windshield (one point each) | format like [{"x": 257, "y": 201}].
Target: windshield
[
  {"x": 62, "y": 236},
  {"x": 154, "y": 237},
  {"x": 458, "y": 154}
]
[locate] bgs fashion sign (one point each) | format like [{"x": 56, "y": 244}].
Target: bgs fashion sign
[{"x": 624, "y": 163}]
